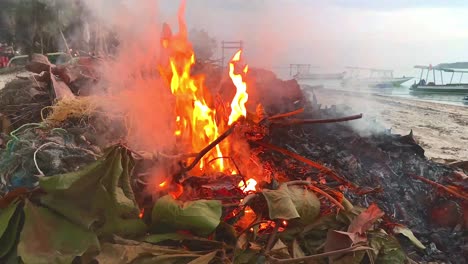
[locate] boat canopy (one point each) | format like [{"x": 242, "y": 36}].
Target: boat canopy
[
  {"x": 441, "y": 70},
  {"x": 438, "y": 69},
  {"x": 370, "y": 69}
]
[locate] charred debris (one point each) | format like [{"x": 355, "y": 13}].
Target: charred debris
[{"x": 73, "y": 192}]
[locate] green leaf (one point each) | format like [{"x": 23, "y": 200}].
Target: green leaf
[
  {"x": 9, "y": 237},
  {"x": 5, "y": 216},
  {"x": 108, "y": 205},
  {"x": 205, "y": 259},
  {"x": 387, "y": 250},
  {"x": 409, "y": 234},
  {"x": 49, "y": 238},
  {"x": 200, "y": 217},
  {"x": 292, "y": 202},
  {"x": 157, "y": 238}
]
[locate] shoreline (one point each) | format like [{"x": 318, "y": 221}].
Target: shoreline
[{"x": 441, "y": 129}]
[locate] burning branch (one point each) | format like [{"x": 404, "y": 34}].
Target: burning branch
[
  {"x": 314, "y": 121},
  {"x": 204, "y": 151},
  {"x": 308, "y": 162},
  {"x": 440, "y": 187},
  {"x": 278, "y": 116}
]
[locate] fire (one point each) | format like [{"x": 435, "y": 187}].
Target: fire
[
  {"x": 249, "y": 185},
  {"x": 196, "y": 121},
  {"x": 238, "y": 103},
  {"x": 163, "y": 184}
]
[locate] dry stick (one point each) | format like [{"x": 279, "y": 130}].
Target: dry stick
[
  {"x": 295, "y": 112},
  {"x": 272, "y": 238},
  {"x": 317, "y": 256},
  {"x": 315, "y": 121},
  {"x": 308, "y": 162},
  {"x": 440, "y": 186},
  {"x": 205, "y": 150}
]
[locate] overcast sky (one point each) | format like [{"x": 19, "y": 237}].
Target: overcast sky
[{"x": 374, "y": 33}]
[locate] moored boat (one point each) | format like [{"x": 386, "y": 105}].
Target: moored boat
[
  {"x": 319, "y": 76},
  {"x": 377, "y": 78},
  {"x": 426, "y": 86}
]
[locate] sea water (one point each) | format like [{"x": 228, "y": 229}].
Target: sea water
[{"x": 402, "y": 91}]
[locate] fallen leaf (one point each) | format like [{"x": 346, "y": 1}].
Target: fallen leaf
[
  {"x": 386, "y": 249},
  {"x": 139, "y": 252},
  {"x": 364, "y": 221},
  {"x": 98, "y": 196},
  {"x": 10, "y": 219},
  {"x": 49, "y": 238},
  {"x": 292, "y": 202},
  {"x": 157, "y": 238},
  {"x": 297, "y": 251},
  {"x": 200, "y": 217},
  {"x": 409, "y": 234},
  {"x": 205, "y": 259}
]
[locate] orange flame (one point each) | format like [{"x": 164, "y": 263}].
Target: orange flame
[
  {"x": 196, "y": 123},
  {"x": 238, "y": 103},
  {"x": 249, "y": 185}
]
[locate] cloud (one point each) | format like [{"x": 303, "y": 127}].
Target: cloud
[{"x": 390, "y": 5}]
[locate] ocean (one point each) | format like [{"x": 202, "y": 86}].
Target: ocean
[{"x": 402, "y": 91}]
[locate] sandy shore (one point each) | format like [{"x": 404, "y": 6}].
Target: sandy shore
[{"x": 441, "y": 129}]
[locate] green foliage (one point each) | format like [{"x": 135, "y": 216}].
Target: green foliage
[
  {"x": 289, "y": 202},
  {"x": 10, "y": 220},
  {"x": 201, "y": 217},
  {"x": 108, "y": 205},
  {"x": 49, "y": 238}
]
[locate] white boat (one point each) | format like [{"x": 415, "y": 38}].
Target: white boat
[
  {"x": 319, "y": 76},
  {"x": 430, "y": 86},
  {"x": 375, "y": 78}
]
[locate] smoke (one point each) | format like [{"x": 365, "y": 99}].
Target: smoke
[{"x": 130, "y": 78}]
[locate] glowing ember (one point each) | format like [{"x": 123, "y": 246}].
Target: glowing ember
[
  {"x": 163, "y": 184},
  {"x": 238, "y": 103},
  {"x": 142, "y": 213},
  {"x": 249, "y": 186}
]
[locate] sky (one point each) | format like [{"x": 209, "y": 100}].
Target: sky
[{"x": 335, "y": 33}]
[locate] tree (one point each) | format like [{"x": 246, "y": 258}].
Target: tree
[
  {"x": 37, "y": 25},
  {"x": 204, "y": 46}
]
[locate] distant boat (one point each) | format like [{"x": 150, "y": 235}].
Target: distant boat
[
  {"x": 377, "y": 78},
  {"x": 426, "y": 86},
  {"x": 319, "y": 76}
]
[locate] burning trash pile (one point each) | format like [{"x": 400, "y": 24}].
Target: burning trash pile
[{"x": 252, "y": 179}]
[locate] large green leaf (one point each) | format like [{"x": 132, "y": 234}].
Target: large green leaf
[
  {"x": 387, "y": 250},
  {"x": 49, "y": 238},
  {"x": 10, "y": 219},
  {"x": 289, "y": 202},
  {"x": 5, "y": 216},
  {"x": 200, "y": 217},
  {"x": 98, "y": 195}
]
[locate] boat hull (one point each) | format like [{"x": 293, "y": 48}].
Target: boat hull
[
  {"x": 452, "y": 89},
  {"x": 376, "y": 83},
  {"x": 319, "y": 76}
]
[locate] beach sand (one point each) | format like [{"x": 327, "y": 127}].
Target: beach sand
[{"x": 441, "y": 129}]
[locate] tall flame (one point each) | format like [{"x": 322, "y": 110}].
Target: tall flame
[
  {"x": 238, "y": 103},
  {"x": 195, "y": 121}
]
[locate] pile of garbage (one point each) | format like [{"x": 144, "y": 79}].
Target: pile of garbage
[{"x": 71, "y": 191}]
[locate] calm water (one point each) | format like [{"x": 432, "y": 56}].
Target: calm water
[{"x": 402, "y": 91}]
